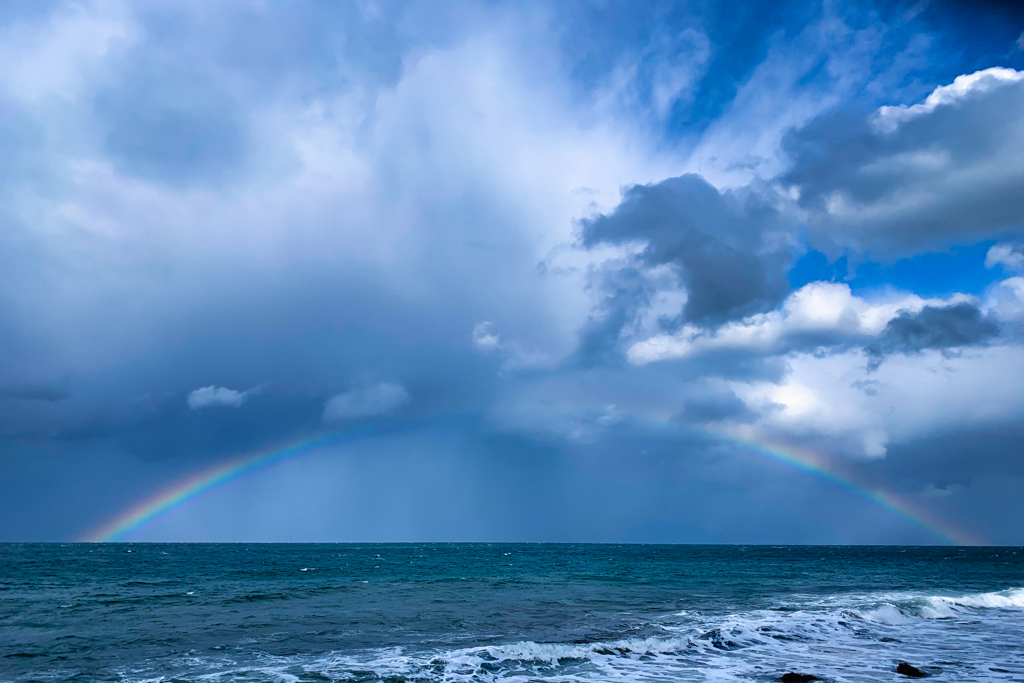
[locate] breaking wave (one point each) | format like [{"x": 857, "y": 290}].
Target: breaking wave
[
  {"x": 842, "y": 639},
  {"x": 942, "y": 607}
]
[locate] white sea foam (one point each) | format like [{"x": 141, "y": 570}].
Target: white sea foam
[
  {"x": 528, "y": 651},
  {"x": 1003, "y": 599},
  {"x": 884, "y": 614},
  {"x": 852, "y": 638}
]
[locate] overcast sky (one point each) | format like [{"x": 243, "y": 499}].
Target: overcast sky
[{"x": 538, "y": 266}]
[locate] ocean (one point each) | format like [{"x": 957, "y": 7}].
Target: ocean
[{"x": 507, "y": 612}]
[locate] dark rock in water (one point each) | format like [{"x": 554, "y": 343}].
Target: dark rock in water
[
  {"x": 910, "y": 670},
  {"x": 797, "y": 678}
]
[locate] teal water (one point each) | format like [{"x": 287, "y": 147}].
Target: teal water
[{"x": 516, "y": 612}]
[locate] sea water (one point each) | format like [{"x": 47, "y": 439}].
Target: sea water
[{"x": 497, "y": 612}]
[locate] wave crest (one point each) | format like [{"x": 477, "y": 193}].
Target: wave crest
[{"x": 941, "y": 607}]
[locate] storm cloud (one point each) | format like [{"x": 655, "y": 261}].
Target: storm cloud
[
  {"x": 922, "y": 176},
  {"x": 726, "y": 246},
  {"x": 533, "y": 267},
  {"x": 933, "y": 328}
]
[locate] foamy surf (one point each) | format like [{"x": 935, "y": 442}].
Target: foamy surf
[{"x": 837, "y": 643}]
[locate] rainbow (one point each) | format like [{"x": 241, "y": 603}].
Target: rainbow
[
  {"x": 810, "y": 463},
  {"x": 183, "y": 491},
  {"x": 822, "y": 468}
]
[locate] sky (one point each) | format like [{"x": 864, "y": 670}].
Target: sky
[{"x": 513, "y": 271}]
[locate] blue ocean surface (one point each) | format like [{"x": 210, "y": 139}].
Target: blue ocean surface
[{"x": 507, "y": 612}]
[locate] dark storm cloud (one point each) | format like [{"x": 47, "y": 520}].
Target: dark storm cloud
[
  {"x": 717, "y": 239},
  {"x": 932, "y": 328},
  {"x": 921, "y": 177}
]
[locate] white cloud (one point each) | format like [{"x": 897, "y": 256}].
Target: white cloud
[
  {"x": 484, "y": 338},
  {"x": 888, "y": 119},
  {"x": 380, "y": 399},
  {"x": 1005, "y": 299},
  {"x": 907, "y": 398},
  {"x": 818, "y": 307},
  {"x": 818, "y": 398},
  {"x": 214, "y": 396},
  {"x": 517, "y": 357},
  {"x": 53, "y": 59},
  {"x": 1010, "y": 256}
]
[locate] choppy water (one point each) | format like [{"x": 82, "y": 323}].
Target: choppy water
[{"x": 480, "y": 612}]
